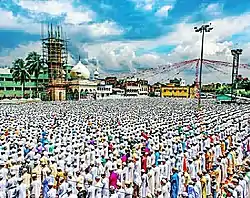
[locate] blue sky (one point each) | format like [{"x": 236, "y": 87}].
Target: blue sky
[{"x": 128, "y": 34}]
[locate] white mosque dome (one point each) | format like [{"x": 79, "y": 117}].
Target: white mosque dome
[{"x": 80, "y": 71}]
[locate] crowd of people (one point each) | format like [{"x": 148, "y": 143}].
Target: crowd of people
[{"x": 126, "y": 148}]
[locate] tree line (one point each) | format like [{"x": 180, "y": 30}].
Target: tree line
[{"x": 23, "y": 69}]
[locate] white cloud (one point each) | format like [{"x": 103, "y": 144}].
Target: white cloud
[
  {"x": 94, "y": 31},
  {"x": 104, "y": 29},
  {"x": 163, "y": 11},
  {"x": 216, "y": 46},
  {"x": 120, "y": 54},
  {"x": 187, "y": 43},
  {"x": 73, "y": 21},
  {"x": 214, "y": 9},
  {"x": 148, "y": 7},
  {"x": 162, "y": 6},
  {"x": 7, "y": 56},
  {"x": 144, "y": 4},
  {"x": 57, "y": 8},
  {"x": 10, "y": 22}
]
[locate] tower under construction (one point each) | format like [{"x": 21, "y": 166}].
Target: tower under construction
[{"x": 55, "y": 55}]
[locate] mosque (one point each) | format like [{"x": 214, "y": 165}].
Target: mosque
[{"x": 80, "y": 85}]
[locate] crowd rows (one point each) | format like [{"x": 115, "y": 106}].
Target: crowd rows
[{"x": 127, "y": 148}]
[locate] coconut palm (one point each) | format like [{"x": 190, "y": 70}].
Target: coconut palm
[
  {"x": 20, "y": 73},
  {"x": 35, "y": 65}
]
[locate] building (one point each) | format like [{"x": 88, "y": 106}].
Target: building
[
  {"x": 80, "y": 86},
  {"x": 155, "y": 89},
  {"x": 143, "y": 87},
  {"x": 11, "y": 89},
  {"x": 111, "y": 81},
  {"x": 131, "y": 87},
  {"x": 171, "y": 90},
  {"x": 104, "y": 90},
  {"x": 55, "y": 56}
]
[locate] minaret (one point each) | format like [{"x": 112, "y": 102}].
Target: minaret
[{"x": 96, "y": 74}]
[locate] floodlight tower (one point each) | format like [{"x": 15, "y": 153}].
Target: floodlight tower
[
  {"x": 203, "y": 29},
  {"x": 235, "y": 70}
]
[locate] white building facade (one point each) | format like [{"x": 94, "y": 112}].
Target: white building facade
[{"x": 104, "y": 90}]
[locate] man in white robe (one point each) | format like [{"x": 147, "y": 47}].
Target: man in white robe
[
  {"x": 3, "y": 185},
  {"x": 105, "y": 186},
  {"x": 144, "y": 184},
  {"x": 35, "y": 186},
  {"x": 21, "y": 189}
]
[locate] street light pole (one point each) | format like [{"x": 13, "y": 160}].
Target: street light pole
[
  {"x": 235, "y": 70},
  {"x": 200, "y": 75},
  {"x": 203, "y": 29}
]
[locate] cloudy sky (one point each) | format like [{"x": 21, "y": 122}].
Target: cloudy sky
[{"x": 126, "y": 35}]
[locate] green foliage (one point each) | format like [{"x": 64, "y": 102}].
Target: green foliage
[
  {"x": 20, "y": 72},
  {"x": 245, "y": 94},
  {"x": 34, "y": 63},
  {"x": 23, "y": 69},
  {"x": 243, "y": 83},
  {"x": 224, "y": 89},
  {"x": 152, "y": 94}
]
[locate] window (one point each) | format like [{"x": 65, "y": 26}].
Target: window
[
  {"x": 9, "y": 88},
  {"x": 8, "y": 79}
]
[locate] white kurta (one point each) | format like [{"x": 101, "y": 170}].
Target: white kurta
[
  {"x": 105, "y": 192},
  {"x": 151, "y": 181},
  {"x": 144, "y": 185},
  {"x": 22, "y": 191},
  {"x": 36, "y": 188},
  {"x": 52, "y": 193}
]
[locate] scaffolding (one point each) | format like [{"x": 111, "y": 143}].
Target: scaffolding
[
  {"x": 54, "y": 56},
  {"x": 54, "y": 51}
]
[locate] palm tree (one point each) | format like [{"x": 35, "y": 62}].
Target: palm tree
[
  {"x": 35, "y": 65},
  {"x": 20, "y": 73}
]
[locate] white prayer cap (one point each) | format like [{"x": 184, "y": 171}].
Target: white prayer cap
[
  {"x": 127, "y": 182},
  {"x": 69, "y": 190}
]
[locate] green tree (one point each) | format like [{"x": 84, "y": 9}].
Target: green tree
[
  {"x": 35, "y": 65},
  {"x": 224, "y": 89},
  {"x": 243, "y": 83},
  {"x": 20, "y": 73}
]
